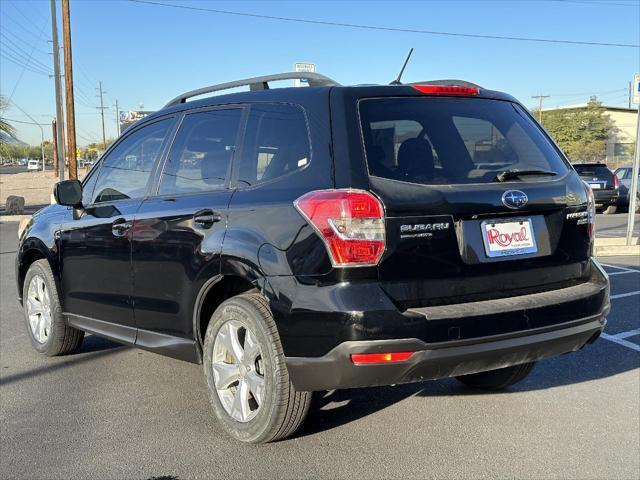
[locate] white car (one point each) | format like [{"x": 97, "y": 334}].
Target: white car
[{"x": 34, "y": 165}]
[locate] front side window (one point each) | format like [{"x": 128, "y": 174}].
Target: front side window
[
  {"x": 452, "y": 140},
  {"x": 276, "y": 143},
  {"x": 126, "y": 170},
  {"x": 88, "y": 185},
  {"x": 202, "y": 152}
]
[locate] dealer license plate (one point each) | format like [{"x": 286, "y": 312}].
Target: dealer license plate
[{"x": 515, "y": 237}]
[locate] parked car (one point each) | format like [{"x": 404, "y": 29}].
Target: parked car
[
  {"x": 22, "y": 162},
  {"x": 306, "y": 239},
  {"x": 603, "y": 182},
  {"x": 624, "y": 175},
  {"x": 34, "y": 165}
]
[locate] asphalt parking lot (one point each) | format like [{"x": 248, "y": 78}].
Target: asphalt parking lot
[
  {"x": 608, "y": 226},
  {"x": 111, "y": 411}
]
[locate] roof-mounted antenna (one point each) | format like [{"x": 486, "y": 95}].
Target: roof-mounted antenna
[{"x": 397, "y": 80}]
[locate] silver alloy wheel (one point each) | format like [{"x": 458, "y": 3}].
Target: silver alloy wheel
[
  {"x": 39, "y": 309},
  {"x": 238, "y": 371}
]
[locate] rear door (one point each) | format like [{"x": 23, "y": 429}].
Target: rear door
[
  {"x": 178, "y": 233},
  {"x": 460, "y": 224}
]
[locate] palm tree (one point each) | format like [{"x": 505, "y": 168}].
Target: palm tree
[{"x": 5, "y": 126}]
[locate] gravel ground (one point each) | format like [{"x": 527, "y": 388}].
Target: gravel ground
[{"x": 35, "y": 186}]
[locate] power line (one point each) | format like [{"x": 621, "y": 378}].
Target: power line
[
  {"x": 22, "y": 57},
  {"x": 22, "y": 121},
  {"x": 20, "y": 61},
  {"x": 26, "y": 44},
  {"x": 14, "y": 22},
  {"x": 19, "y": 51},
  {"x": 388, "y": 29},
  {"x": 11, "y": 59},
  {"x": 586, "y": 93},
  {"x": 30, "y": 64},
  {"x": 15, "y": 6}
]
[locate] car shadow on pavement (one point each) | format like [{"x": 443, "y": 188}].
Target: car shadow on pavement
[
  {"x": 93, "y": 348},
  {"x": 93, "y": 343},
  {"x": 338, "y": 407}
]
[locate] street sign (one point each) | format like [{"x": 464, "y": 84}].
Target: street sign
[
  {"x": 303, "y": 67},
  {"x": 636, "y": 89}
]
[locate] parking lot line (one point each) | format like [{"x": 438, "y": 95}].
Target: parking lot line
[
  {"x": 619, "y": 268},
  {"x": 622, "y": 295},
  {"x": 620, "y": 341},
  {"x": 623, "y": 273},
  {"x": 630, "y": 333}
]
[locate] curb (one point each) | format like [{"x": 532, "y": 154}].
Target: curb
[
  {"x": 13, "y": 218},
  {"x": 616, "y": 246},
  {"x": 617, "y": 250}
]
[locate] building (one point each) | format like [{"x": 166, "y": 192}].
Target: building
[{"x": 619, "y": 147}]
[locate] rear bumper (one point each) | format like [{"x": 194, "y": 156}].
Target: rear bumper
[
  {"x": 336, "y": 371},
  {"x": 605, "y": 197},
  {"x": 557, "y": 322}
]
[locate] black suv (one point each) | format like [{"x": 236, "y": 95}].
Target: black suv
[
  {"x": 304, "y": 239},
  {"x": 603, "y": 182}
]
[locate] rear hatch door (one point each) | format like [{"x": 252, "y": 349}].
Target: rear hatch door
[
  {"x": 479, "y": 203},
  {"x": 598, "y": 176}
]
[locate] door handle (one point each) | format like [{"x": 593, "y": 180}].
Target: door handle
[
  {"x": 206, "y": 218},
  {"x": 120, "y": 227}
]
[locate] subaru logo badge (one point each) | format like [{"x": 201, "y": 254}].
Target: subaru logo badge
[{"x": 514, "y": 199}]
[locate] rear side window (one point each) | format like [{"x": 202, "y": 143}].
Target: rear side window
[
  {"x": 452, "y": 141},
  {"x": 202, "y": 151},
  {"x": 276, "y": 143}
]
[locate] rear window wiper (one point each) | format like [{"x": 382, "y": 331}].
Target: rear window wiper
[{"x": 511, "y": 174}]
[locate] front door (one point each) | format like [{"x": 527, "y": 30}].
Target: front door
[
  {"x": 178, "y": 234},
  {"x": 95, "y": 249}
]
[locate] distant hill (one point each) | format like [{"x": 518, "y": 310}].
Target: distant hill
[{"x": 6, "y": 138}]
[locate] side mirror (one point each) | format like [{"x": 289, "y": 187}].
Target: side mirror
[{"x": 68, "y": 193}]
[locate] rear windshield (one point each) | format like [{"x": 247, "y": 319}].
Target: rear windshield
[
  {"x": 593, "y": 170},
  {"x": 452, "y": 140}
]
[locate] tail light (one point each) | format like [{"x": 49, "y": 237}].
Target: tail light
[
  {"x": 616, "y": 182},
  {"x": 350, "y": 222},
  {"x": 591, "y": 209},
  {"x": 447, "y": 90}
]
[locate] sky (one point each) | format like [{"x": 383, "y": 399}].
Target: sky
[{"x": 147, "y": 54}]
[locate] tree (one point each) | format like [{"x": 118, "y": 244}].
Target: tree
[
  {"x": 582, "y": 133},
  {"x": 5, "y": 126}
]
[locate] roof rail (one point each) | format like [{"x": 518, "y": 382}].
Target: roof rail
[
  {"x": 257, "y": 83},
  {"x": 447, "y": 82}
]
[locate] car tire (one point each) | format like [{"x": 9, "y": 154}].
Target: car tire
[
  {"x": 241, "y": 349},
  {"x": 611, "y": 209},
  {"x": 47, "y": 327},
  {"x": 497, "y": 379}
]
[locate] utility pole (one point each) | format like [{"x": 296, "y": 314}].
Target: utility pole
[
  {"x": 633, "y": 189},
  {"x": 55, "y": 147},
  {"x": 540, "y": 98},
  {"x": 117, "y": 118},
  {"x": 59, "y": 138},
  {"x": 101, "y": 107},
  {"x": 68, "y": 83}
]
